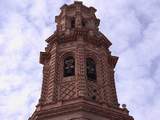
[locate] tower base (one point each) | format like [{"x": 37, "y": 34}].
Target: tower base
[{"x": 79, "y": 110}]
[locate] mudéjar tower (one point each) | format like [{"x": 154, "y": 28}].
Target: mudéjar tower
[{"x": 78, "y": 70}]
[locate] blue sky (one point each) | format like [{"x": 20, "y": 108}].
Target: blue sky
[{"x": 132, "y": 26}]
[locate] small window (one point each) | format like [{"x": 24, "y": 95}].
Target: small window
[
  {"x": 91, "y": 69},
  {"x": 69, "y": 66},
  {"x": 83, "y": 23},
  {"x": 73, "y": 23}
]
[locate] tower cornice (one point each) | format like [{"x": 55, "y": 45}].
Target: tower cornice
[
  {"x": 61, "y": 108},
  {"x": 90, "y": 36}
]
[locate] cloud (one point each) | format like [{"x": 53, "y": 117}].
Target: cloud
[
  {"x": 132, "y": 26},
  {"x": 24, "y": 26}
]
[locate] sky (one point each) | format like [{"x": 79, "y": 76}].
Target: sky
[{"x": 133, "y": 27}]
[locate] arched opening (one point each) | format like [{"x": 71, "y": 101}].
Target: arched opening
[
  {"x": 83, "y": 23},
  {"x": 69, "y": 66},
  {"x": 73, "y": 23},
  {"x": 91, "y": 69}
]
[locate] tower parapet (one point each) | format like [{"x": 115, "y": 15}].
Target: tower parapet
[{"x": 77, "y": 16}]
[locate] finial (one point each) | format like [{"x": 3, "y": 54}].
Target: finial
[{"x": 124, "y": 106}]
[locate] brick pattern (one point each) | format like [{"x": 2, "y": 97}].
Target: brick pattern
[
  {"x": 113, "y": 89},
  {"x": 65, "y": 83},
  {"x": 105, "y": 79},
  {"x": 52, "y": 89},
  {"x": 52, "y": 81},
  {"x": 67, "y": 90},
  {"x": 109, "y": 91},
  {"x": 80, "y": 71},
  {"x": 93, "y": 91},
  {"x": 44, "y": 83}
]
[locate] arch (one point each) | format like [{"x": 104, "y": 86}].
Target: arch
[
  {"x": 68, "y": 66},
  {"x": 73, "y": 22},
  {"x": 93, "y": 55},
  {"x": 65, "y": 54},
  {"x": 84, "y": 22},
  {"x": 91, "y": 69}
]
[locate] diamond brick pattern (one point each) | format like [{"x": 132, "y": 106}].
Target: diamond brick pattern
[
  {"x": 93, "y": 91},
  {"x": 67, "y": 90}
]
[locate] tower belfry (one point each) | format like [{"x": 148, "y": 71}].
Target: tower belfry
[{"x": 78, "y": 70}]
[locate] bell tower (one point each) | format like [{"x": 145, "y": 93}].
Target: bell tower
[{"x": 78, "y": 70}]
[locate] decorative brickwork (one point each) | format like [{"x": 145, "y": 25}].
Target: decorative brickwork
[
  {"x": 68, "y": 90},
  {"x": 78, "y": 70},
  {"x": 80, "y": 75}
]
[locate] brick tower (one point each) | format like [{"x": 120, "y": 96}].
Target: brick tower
[{"x": 78, "y": 70}]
